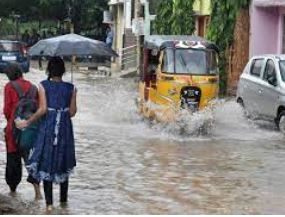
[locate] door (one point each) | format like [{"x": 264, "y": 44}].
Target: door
[
  {"x": 270, "y": 93},
  {"x": 252, "y": 86}
]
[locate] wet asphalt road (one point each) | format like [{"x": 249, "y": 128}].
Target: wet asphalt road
[{"x": 128, "y": 166}]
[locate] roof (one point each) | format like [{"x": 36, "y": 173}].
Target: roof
[
  {"x": 269, "y": 3},
  {"x": 163, "y": 41},
  {"x": 273, "y": 56}
]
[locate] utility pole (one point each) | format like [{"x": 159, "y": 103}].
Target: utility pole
[{"x": 140, "y": 38}]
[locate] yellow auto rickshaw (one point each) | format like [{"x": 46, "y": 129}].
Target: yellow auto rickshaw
[{"x": 179, "y": 72}]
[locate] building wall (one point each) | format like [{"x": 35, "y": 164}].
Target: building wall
[
  {"x": 130, "y": 38},
  {"x": 119, "y": 27},
  {"x": 203, "y": 7},
  {"x": 118, "y": 22},
  {"x": 265, "y": 30},
  {"x": 281, "y": 42}
]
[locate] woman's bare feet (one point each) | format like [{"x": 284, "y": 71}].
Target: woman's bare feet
[
  {"x": 49, "y": 209},
  {"x": 38, "y": 195},
  {"x": 13, "y": 193},
  {"x": 63, "y": 204}
]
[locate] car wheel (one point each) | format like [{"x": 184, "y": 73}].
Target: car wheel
[
  {"x": 281, "y": 122},
  {"x": 240, "y": 102},
  {"x": 245, "y": 112}
]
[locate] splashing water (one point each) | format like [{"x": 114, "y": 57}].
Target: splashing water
[
  {"x": 113, "y": 103},
  {"x": 215, "y": 161}
]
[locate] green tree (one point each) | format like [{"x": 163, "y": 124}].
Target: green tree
[
  {"x": 183, "y": 19},
  {"x": 86, "y": 15},
  {"x": 163, "y": 19},
  {"x": 175, "y": 17},
  {"x": 221, "y": 31}
]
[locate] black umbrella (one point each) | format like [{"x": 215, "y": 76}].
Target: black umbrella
[{"x": 71, "y": 45}]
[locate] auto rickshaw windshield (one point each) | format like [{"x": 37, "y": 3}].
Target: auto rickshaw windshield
[{"x": 190, "y": 61}]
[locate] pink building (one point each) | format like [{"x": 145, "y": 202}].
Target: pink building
[{"x": 267, "y": 27}]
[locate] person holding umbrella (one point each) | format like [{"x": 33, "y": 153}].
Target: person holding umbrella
[
  {"x": 70, "y": 45},
  {"x": 53, "y": 157}
]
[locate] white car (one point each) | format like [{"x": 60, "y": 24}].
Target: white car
[{"x": 261, "y": 88}]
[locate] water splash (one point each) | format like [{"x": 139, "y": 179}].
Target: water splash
[
  {"x": 232, "y": 123},
  {"x": 188, "y": 124},
  {"x": 114, "y": 107}
]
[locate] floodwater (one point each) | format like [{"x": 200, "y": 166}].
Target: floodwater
[{"x": 129, "y": 166}]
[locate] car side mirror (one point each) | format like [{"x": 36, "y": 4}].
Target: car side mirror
[{"x": 272, "y": 80}]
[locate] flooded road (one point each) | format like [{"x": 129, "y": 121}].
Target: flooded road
[{"x": 127, "y": 166}]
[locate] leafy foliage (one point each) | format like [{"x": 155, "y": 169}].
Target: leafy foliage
[
  {"x": 163, "y": 20},
  {"x": 88, "y": 15},
  {"x": 221, "y": 30},
  {"x": 183, "y": 20},
  {"x": 175, "y": 17},
  {"x": 85, "y": 14},
  {"x": 7, "y": 28}
]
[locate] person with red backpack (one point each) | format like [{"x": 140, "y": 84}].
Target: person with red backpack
[{"x": 20, "y": 96}]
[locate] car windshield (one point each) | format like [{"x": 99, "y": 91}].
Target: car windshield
[
  {"x": 9, "y": 47},
  {"x": 190, "y": 61},
  {"x": 282, "y": 69}
]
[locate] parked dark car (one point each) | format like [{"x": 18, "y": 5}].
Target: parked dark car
[{"x": 13, "y": 51}]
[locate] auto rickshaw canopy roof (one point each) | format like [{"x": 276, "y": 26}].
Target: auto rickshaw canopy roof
[{"x": 160, "y": 42}]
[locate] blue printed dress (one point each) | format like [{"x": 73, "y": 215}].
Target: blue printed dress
[{"x": 53, "y": 156}]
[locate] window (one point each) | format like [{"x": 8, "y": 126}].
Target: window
[
  {"x": 168, "y": 61},
  {"x": 282, "y": 69},
  {"x": 190, "y": 61},
  {"x": 256, "y": 67},
  {"x": 194, "y": 61},
  {"x": 9, "y": 47},
  {"x": 269, "y": 70}
]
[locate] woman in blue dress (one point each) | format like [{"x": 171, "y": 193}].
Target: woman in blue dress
[{"x": 53, "y": 157}]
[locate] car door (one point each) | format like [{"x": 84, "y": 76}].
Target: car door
[
  {"x": 251, "y": 86},
  {"x": 269, "y": 91}
]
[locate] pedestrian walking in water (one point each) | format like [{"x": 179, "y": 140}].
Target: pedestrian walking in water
[
  {"x": 53, "y": 157},
  {"x": 14, "y": 92}
]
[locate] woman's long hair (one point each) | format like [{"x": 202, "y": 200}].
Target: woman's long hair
[{"x": 55, "y": 67}]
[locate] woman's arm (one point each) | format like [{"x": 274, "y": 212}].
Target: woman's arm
[
  {"x": 39, "y": 113},
  {"x": 73, "y": 107}
]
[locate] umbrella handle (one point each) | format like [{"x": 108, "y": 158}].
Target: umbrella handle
[
  {"x": 72, "y": 73},
  {"x": 73, "y": 59}
]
